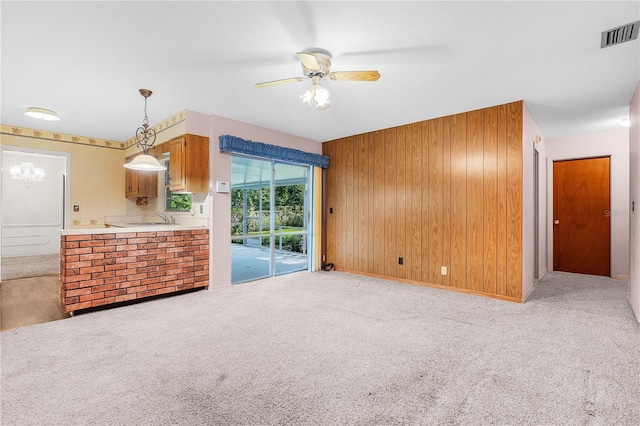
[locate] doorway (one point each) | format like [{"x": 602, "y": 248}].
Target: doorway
[
  {"x": 34, "y": 209},
  {"x": 581, "y": 216},
  {"x": 269, "y": 218}
]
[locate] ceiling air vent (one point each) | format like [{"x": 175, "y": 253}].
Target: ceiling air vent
[{"x": 620, "y": 35}]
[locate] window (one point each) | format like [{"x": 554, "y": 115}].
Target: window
[{"x": 173, "y": 201}]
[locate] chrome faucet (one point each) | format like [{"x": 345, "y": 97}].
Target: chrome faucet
[{"x": 167, "y": 219}]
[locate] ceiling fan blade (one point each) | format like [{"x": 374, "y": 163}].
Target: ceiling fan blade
[
  {"x": 308, "y": 60},
  {"x": 283, "y": 81},
  {"x": 354, "y": 75}
]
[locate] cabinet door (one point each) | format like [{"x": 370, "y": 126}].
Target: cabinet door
[
  {"x": 130, "y": 183},
  {"x": 147, "y": 184},
  {"x": 197, "y": 163},
  {"x": 140, "y": 184},
  {"x": 177, "y": 165}
]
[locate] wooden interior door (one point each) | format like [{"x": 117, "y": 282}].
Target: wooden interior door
[{"x": 581, "y": 216}]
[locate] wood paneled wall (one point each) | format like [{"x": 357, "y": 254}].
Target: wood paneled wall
[{"x": 442, "y": 192}]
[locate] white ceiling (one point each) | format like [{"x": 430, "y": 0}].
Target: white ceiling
[{"x": 87, "y": 60}]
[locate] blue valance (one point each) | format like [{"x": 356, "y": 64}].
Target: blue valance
[{"x": 237, "y": 145}]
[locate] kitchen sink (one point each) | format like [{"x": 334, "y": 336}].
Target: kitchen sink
[
  {"x": 146, "y": 223},
  {"x": 134, "y": 224}
]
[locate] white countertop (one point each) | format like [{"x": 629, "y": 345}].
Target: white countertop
[{"x": 127, "y": 227}]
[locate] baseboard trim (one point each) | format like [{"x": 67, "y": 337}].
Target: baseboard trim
[
  {"x": 526, "y": 296},
  {"x": 218, "y": 285},
  {"x": 542, "y": 273},
  {"x": 636, "y": 312},
  {"x": 620, "y": 277},
  {"x": 437, "y": 286}
]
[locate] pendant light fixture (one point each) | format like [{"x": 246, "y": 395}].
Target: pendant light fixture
[{"x": 145, "y": 137}]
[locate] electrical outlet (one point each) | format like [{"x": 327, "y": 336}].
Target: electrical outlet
[
  {"x": 443, "y": 270},
  {"x": 400, "y": 261},
  {"x": 76, "y": 208}
]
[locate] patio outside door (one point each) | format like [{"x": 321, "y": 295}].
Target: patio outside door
[{"x": 269, "y": 218}]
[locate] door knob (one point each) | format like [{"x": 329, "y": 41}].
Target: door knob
[{"x": 556, "y": 222}]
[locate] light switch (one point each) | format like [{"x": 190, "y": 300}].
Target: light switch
[{"x": 76, "y": 208}]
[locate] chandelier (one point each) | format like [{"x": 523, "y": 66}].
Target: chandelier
[
  {"x": 27, "y": 173},
  {"x": 145, "y": 138},
  {"x": 317, "y": 96}
]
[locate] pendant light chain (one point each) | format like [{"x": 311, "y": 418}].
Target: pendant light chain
[
  {"x": 145, "y": 133},
  {"x": 145, "y": 137}
]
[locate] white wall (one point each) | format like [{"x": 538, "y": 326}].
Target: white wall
[
  {"x": 530, "y": 131},
  {"x": 634, "y": 195},
  {"x": 614, "y": 143},
  {"x": 220, "y": 170}
]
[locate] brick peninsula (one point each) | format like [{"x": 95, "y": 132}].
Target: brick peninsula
[{"x": 103, "y": 266}]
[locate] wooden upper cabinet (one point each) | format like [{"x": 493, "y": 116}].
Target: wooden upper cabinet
[
  {"x": 140, "y": 184},
  {"x": 177, "y": 169},
  {"x": 189, "y": 164},
  {"x": 130, "y": 183}
]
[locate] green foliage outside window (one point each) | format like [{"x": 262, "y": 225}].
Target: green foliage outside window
[
  {"x": 181, "y": 202},
  {"x": 289, "y": 202}
]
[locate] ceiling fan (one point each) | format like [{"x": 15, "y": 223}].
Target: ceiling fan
[{"x": 316, "y": 65}]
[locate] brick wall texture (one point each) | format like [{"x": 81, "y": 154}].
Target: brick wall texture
[{"x": 101, "y": 269}]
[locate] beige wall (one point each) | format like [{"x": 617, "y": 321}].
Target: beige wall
[
  {"x": 96, "y": 180},
  {"x": 97, "y": 176}
]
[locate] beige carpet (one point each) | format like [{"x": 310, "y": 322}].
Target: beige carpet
[
  {"x": 30, "y": 266},
  {"x": 329, "y": 348}
]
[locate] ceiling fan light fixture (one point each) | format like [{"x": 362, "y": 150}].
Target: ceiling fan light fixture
[
  {"x": 145, "y": 137},
  {"x": 42, "y": 114},
  {"x": 317, "y": 96},
  {"x": 316, "y": 64},
  {"x": 306, "y": 97},
  {"x": 321, "y": 97}
]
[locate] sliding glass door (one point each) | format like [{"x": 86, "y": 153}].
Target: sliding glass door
[{"x": 269, "y": 218}]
